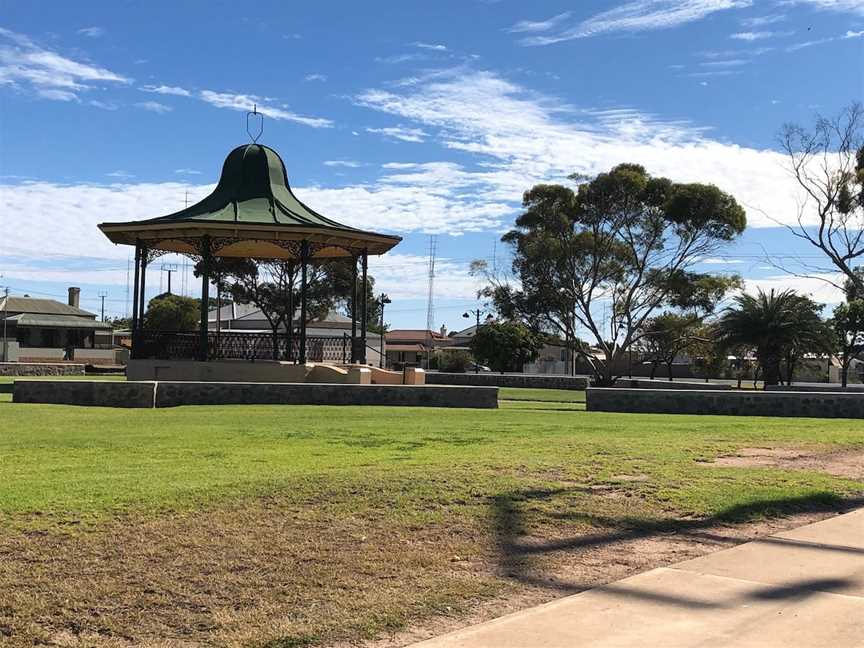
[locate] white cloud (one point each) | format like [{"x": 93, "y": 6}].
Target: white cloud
[
  {"x": 640, "y": 15},
  {"x": 821, "y": 41},
  {"x": 154, "y": 106},
  {"x": 120, "y": 174},
  {"x": 726, "y": 63},
  {"x": 817, "y": 286},
  {"x": 246, "y": 102},
  {"x": 843, "y": 6},
  {"x": 520, "y": 139},
  {"x": 49, "y": 75},
  {"x": 400, "y": 133},
  {"x": 187, "y": 172},
  {"x": 435, "y": 47},
  {"x": 759, "y": 21},
  {"x": 533, "y": 26},
  {"x": 166, "y": 90},
  {"x": 403, "y": 276},
  {"x": 104, "y": 105},
  {"x": 56, "y": 95},
  {"x": 508, "y": 138},
  {"x": 752, "y": 36},
  {"x": 400, "y": 58},
  {"x": 315, "y": 77},
  {"x": 351, "y": 164},
  {"x": 92, "y": 32}
]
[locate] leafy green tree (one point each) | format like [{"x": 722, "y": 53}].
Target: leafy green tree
[
  {"x": 167, "y": 312},
  {"x": 847, "y": 323},
  {"x": 779, "y": 326},
  {"x": 809, "y": 335},
  {"x": 606, "y": 257},
  {"x": 453, "y": 361},
  {"x": 664, "y": 337},
  {"x": 707, "y": 356},
  {"x": 274, "y": 288},
  {"x": 506, "y": 346}
]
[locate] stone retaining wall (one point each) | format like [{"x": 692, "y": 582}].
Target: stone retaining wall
[
  {"x": 41, "y": 369},
  {"x": 642, "y": 383},
  {"x": 172, "y": 394},
  {"x": 732, "y": 403},
  {"x": 507, "y": 380},
  {"x": 858, "y": 389},
  {"x": 102, "y": 393}
]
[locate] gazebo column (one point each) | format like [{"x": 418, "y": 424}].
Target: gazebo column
[
  {"x": 304, "y": 259},
  {"x": 363, "y": 308},
  {"x": 206, "y": 258},
  {"x": 353, "y": 309},
  {"x": 135, "y": 319},
  {"x": 142, "y": 262}
]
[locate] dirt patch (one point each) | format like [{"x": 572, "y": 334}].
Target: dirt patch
[{"x": 845, "y": 463}]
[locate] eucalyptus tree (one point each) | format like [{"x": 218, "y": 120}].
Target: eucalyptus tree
[
  {"x": 604, "y": 258},
  {"x": 827, "y": 163}
]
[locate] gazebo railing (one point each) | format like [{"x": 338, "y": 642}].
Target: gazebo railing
[{"x": 235, "y": 345}]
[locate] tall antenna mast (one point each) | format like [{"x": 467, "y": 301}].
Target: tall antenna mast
[{"x": 430, "y": 297}]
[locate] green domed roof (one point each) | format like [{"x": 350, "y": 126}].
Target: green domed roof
[
  {"x": 252, "y": 202},
  {"x": 253, "y": 188}
]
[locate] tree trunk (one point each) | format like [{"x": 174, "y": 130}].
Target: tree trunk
[
  {"x": 669, "y": 370},
  {"x": 653, "y": 369},
  {"x": 603, "y": 375},
  {"x": 844, "y": 368},
  {"x": 771, "y": 370}
]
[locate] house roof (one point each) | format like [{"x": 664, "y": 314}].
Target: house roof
[
  {"x": 40, "y": 306},
  {"x": 406, "y": 347},
  {"x": 57, "y": 321},
  {"x": 468, "y": 332},
  {"x": 250, "y": 312},
  {"x": 414, "y": 334}
]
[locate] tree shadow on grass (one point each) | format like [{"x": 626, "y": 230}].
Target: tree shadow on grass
[{"x": 516, "y": 554}]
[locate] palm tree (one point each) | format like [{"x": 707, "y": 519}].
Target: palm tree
[{"x": 780, "y": 326}]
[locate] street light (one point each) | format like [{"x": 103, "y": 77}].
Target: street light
[
  {"x": 477, "y": 313},
  {"x": 382, "y": 299}
]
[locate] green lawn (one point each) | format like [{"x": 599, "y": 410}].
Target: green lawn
[
  {"x": 542, "y": 395},
  {"x": 322, "y": 513},
  {"x": 65, "y": 461}
]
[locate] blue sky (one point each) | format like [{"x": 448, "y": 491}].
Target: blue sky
[{"x": 408, "y": 118}]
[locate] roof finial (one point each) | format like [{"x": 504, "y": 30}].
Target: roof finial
[{"x": 254, "y": 112}]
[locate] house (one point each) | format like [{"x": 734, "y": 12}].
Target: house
[
  {"x": 334, "y": 330},
  {"x": 412, "y": 347},
  {"x": 45, "y": 330}
]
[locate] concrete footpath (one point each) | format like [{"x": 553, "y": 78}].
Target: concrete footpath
[{"x": 798, "y": 588}]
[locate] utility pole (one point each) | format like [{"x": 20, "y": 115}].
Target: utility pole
[
  {"x": 382, "y": 299},
  {"x": 102, "y": 295},
  {"x": 169, "y": 268}
]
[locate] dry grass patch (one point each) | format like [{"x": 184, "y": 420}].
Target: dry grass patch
[{"x": 257, "y": 574}]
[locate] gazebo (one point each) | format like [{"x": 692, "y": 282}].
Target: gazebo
[{"x": 251, "y": 214}]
